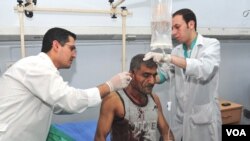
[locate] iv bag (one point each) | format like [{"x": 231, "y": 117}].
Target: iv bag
[{"x": 161, "y": 24}]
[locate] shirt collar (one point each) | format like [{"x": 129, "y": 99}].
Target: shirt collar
[{"x": 48, "y": 59}]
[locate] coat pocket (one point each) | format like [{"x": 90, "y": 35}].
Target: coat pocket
[{"x": 202, "y": 114}]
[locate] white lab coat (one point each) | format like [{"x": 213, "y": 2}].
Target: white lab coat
[
  {"x": 197, "y": 115},
  {"x": 30, "y": 92}
]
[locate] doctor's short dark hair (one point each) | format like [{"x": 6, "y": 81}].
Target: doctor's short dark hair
[
  {"x": 56, "y": 33},
  {"x": 187, "y": 14},
  {"x": 137, "y": 61}
]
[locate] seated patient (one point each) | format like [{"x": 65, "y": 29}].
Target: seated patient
[{"x": 134, "y": 113}]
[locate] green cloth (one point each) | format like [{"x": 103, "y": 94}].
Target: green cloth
[
  {"x": 57, "y": 135},
  {"x": 187, "y": 53}
]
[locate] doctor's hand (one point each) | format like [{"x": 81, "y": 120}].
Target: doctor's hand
[
  {"x": 158, "y": 57},
  {"x": 119, "y": 81}
]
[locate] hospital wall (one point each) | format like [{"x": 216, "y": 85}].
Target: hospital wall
[
  {"x": 98, "y": 60},
  {"x": 218, "y": 21},
  {"x": 100, "y": 57}
]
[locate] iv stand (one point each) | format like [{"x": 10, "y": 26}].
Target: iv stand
[{"x": 30, "y": 8}]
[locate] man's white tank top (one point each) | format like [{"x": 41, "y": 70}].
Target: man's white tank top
[{"x": 139, "y": 123}]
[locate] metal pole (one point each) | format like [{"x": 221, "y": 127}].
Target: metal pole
[
  {"x": 31, "y": 8},
  {"x": 21, "y": 22},
  {"x": 124, "y": 14}
]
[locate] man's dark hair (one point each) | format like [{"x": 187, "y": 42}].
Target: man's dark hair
[
  {"x": 137, "y": 61},
  {"x": 188, "y": 15},
  {"x": 59, "y": 34}
]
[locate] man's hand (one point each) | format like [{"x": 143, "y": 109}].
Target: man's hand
[
  {"x": 158, "y": 57},
  {"x": 119, "y": 81}
]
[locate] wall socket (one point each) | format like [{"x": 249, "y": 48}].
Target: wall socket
[{"x": 169, "y": 103}]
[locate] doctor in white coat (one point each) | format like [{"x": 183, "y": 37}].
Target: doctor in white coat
[
  {"x": 195, "y": 78},
  {"x": 32, "y": 90}
]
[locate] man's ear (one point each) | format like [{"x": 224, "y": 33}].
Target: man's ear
[
  {"x": 132, "y": 73},
  {"x": 191, "y": 24},
  {"x": 55, "y": 45}
]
